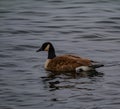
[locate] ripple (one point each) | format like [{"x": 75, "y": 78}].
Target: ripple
[
  {"x": 115, "y": 18},
  {"x": 8, "y": 65},
  {"x": 108, "y": 22},
  {"x": 5, "y": 11},
  {"x": 15, "y": 31},
  {"x": 72, "y": 7},
  {"x": 6, "y": 107},
  {"x": 52, "y": 26},
  {"x": 34, "y": 13},
  {"x": 94, "y": 36},
  {"x": 23, "y": 47},
  {"x": 17, "y": 19},
  {"x": 115, "y": 85},
  {"x": 20, "y": 32},
  {"x": 56, "y": 1},
  {"x": 116, "y": 27},
  {"x": 20, "y": 70},
  {"x": 5, "y": 56},
  {"x": 19, "y": 48},
  {"x": 113, "y": 31},
  {"x": 28, "y": 46}
]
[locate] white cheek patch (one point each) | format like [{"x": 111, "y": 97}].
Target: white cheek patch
[{"x": 47, "y": 48}]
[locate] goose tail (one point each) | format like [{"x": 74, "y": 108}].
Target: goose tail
[{"x": 96, "y": 66}]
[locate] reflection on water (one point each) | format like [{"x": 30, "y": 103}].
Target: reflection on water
[
  {"x": 87, "y": 28},
  {"x": 73, "y": 75},
  {"x": 53, "y": 78}
]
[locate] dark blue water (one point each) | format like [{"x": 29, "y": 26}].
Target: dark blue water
[{"x": 89, "y": 28}]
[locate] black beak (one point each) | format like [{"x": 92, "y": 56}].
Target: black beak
[{"x": 38, "y": 50}]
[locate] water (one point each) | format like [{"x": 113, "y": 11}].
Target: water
[{"x": 89, "y": 28}]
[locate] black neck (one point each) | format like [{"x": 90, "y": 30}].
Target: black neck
[{"x": 51, "y": 52}]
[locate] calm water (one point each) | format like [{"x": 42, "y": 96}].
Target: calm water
[{"x": 89, "y": 28}]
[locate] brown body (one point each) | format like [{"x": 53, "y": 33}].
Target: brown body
[{"x": 66, "y": 63}]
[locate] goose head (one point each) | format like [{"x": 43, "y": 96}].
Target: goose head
[{"x": 47, "y": 46}]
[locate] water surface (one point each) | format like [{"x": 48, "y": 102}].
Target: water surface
[{"x": 88, "y": 28}]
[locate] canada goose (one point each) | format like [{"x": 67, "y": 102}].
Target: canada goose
[{"x": 66, "y": 63}]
